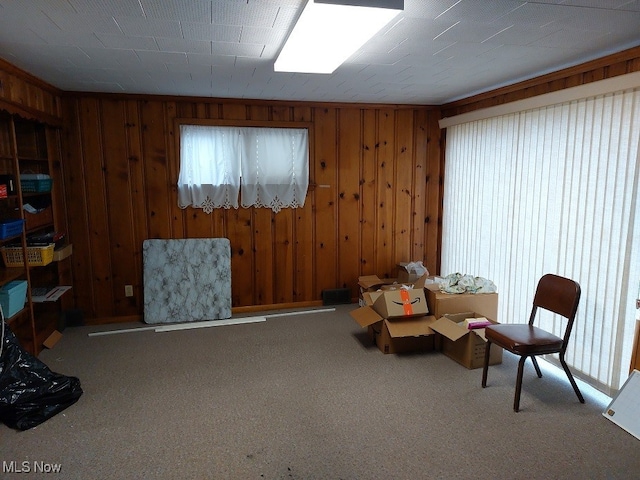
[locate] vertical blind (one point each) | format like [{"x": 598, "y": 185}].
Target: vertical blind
[{"x": 553, "y": 190}]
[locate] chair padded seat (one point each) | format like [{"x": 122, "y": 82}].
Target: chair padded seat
[{"x": 523, "y": 339}]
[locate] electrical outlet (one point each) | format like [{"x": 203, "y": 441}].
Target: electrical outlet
[{"x": 128, "y": 290}]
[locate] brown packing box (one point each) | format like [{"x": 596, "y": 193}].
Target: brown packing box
[
  {"x": 396, "y": 335},
  {"x": 400, "y": 303},
  {"x": 373, "y": 283},
  {"x": 467, "y": 347},
  {"x": 440, "y": 303},
  {"x": 405, "y": 276},
  {"x": 404, "y": 336},
  {"x": 35, "y": 220},
  {"x": 52, "y": 339},
  {"x": 62, "y": 253},
  {"x": 394, "y": 304}
]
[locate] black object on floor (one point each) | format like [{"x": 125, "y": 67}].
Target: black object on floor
[
  {"x": 30, "y": 392},
  {"x": 336, "y": 296}
]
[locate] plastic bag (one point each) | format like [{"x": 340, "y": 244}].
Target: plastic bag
[
  {"x": 30, "y": 392},
  {"x": 417, "y": 268},
  {"x": 459, "y": 283}
]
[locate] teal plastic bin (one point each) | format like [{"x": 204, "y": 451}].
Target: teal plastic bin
[{"x": 13, "y": 296}]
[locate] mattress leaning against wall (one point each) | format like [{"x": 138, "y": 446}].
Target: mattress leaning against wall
[{"x": 186, "y": 280}]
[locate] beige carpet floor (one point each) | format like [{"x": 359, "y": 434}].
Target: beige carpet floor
[{"x": 306, "y": 397}]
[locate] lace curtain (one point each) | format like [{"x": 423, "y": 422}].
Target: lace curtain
[
  {"x": 275, "y": 167},
  {"x": 209, "y": 167},
  {"x": 268, "y": 167}
]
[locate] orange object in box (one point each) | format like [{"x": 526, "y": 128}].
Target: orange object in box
[{"x": 396, "y": 320}]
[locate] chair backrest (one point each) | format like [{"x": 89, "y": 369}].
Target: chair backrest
[{"x": 559, "y": 295}]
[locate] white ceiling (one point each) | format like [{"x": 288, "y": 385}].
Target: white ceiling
[{"x": 435, "y": 52}]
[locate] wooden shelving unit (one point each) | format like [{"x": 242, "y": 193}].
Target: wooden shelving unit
[{"x": 32, "y": 148}]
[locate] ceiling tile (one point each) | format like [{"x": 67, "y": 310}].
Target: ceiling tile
[
  {"x": 181, "y": 45},
  {"x": 192, "y": 11},
  {"x": 83, "y": 23},
  {"x": 111, "y": 8},
  {"x": 214, "y": 33},
  {"x": 201, "y": 59},
  {"x": 433, "y": 52},
  {"x": 160, "y": 58},
  {"x": 127, "y": 42},
  {"x": 149, "y": 27},
  {"x": 240, "y": 49}
]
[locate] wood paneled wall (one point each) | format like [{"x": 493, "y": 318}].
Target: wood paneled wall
[
  {"x": 377, "y": 172},
  {"x": 375, "y": 199},
  {"x": 27, "y": 96}
]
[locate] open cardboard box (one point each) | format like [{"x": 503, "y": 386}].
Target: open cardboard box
[
  {"x": 371, "y": 283},
  {"x": 405, "y": 274},
  {"x": 467, "y": 347},
  {"x": 397, "y": 320},
  {"x": 400, "y": 303},
  {"x": 440, "y": 303}
]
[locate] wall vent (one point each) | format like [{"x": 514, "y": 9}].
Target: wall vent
[{"x": 336, "y": 296}]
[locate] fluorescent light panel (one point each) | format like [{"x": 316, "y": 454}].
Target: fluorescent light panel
[{"x": 326, "y": 34}]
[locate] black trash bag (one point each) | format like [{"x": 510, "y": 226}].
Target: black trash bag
[{"x": 30, "y": 392}]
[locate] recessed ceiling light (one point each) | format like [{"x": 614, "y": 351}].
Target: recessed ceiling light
[{"x": 328, "y": 32}]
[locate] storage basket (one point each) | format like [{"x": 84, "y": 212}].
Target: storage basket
[
  {"x": 36, "y": 185},
  {"x": 10, "y": 228},
  {"x": 36, "y": 256},
  {"x": 13, "y": 295}
]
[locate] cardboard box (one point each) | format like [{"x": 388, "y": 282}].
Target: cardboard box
[
  {"x": 405, "y": 336},
  {"x": 397, "y": 336},
  {"x": 62, "y": 253},
  {"x": 400, "y": 303},
  {"x": 35, "y": 220},
  {"x": 52, "y": 339},
  {"x": 440, "y": 303},
  {"x": 396, "y": 320},
  {"x": 395, "y": 303},
  {"x": 467, "y": 347},
  {"x": 371, "y": 283},
  {"x": 404, "y": 274}
]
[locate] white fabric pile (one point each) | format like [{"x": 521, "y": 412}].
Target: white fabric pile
[{"x": 458, "y": 283}]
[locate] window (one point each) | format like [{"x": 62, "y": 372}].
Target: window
[
  {"x": 224, "y": 166},
  {"x": 553, "y": 190}
]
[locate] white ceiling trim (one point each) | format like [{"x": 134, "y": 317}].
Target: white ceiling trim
[{"x": 593, "y": 89}]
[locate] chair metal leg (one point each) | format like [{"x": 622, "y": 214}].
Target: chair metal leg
[
  {"x": 535, "y": 365},
  {"x": 485, "y": 368},
  {"x": 571, "y": 379},
  {"x": 516, "y": 399}
]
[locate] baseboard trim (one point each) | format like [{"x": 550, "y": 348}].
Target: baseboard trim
[{"x": 234, "y": 310}]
